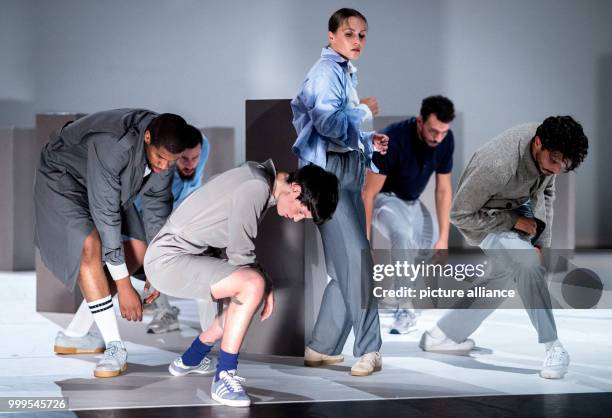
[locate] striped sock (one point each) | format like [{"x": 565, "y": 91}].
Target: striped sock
[{"x": 104, "y": 315}]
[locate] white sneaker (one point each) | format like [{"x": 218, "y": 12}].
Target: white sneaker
[
  {"x": 445, "y": 345},
  {"x": 367, "y": 364},
  {"x": 404, "y": 321},
  {"x": 556, "y": 362}
]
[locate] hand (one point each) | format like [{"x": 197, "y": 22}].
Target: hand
[
  {"x": 268, "y": 306},
  {"x": 539, "y": 252},
  {"x": 130, "y": 304},
  {"x": 440, "y": 254},
  {"x": 372, "y": 103},
  {"x": 150, "y": 297},
  {"x": 526, "y": 225},
  {"x": 381, "y": 143}
]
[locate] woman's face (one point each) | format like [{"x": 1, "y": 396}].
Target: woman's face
[{"x": 349, "y": 39}]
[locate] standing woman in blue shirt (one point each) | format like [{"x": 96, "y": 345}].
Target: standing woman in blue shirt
[{"x": 328, "y": 117}]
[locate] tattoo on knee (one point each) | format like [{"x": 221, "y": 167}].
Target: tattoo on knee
[{"x": 235, "y": 300}]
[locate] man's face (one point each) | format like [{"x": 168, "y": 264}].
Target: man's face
[
  {"x": 349, "y": 39},
  {"x": 548, "y": 162},
  {"x": 158, "y": 158},
  {"x": 432, "y": 131},
  {"x": 288, "y": 205},
  {"x": 187, "y": 163}
]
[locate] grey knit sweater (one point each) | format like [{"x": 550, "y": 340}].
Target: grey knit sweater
[{"x": 501, "y": 176}]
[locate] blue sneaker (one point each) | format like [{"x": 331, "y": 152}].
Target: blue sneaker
[
  {"x": 178, "y": 368},
  {"x": 229, "y": 391}
]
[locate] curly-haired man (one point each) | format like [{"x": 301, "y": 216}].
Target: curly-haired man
[{"x": 504, "y": 205}]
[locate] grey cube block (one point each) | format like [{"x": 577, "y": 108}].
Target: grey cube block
[{"x": 17, "y": 164}]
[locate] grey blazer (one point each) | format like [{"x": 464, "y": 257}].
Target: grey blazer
[{"x": 93, "y": 169}]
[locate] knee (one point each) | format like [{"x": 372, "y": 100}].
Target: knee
[
  {"x": 253, "y": 285},
  {"x": 92, "y": 250}
]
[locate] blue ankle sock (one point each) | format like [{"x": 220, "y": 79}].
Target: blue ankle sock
[
  {"x": 225, "y": 362},
  {"x": 196, "y": 352}
]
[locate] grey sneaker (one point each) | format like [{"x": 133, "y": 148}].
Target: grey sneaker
[
  {"x": 88, "y": 344},
  {"x": 150, "y": 308},
  {"x": 178, "y": 368},
  {"x": 404, "y": 322},
  {"x": 229, "y": 391},
  {"x": 114, "y": 362},
  {"x": 164, "y": 321},
  {"x": 313, "y": 358}
]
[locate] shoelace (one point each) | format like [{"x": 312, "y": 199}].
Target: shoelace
[
  {"x": 110, "y": 352},
  {"x": 234, "y": 382},
  {"x": 165, "y": 316},
  {"x": 557, "y": 356},
  {"x": 368, "y": 359}
]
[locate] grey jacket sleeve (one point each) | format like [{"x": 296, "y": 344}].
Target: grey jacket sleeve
[
  {"x": 549, "y": 198},
  {"x": 157, "y": 204},
  {"x": 106, "y": 159},
  {"x": 248, "y": 203},
  {"x": 479, "y": 183}
]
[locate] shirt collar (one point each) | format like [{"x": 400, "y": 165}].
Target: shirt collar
[
  {"x": 271, "y": 171},
  {"x": 526, "y": 158},
  {"x": 329, "y": 53}
]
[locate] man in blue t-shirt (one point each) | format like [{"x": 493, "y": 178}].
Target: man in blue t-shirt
[
  {"x": 188, "y": 176},
  {"x": 418, "y": 147}
]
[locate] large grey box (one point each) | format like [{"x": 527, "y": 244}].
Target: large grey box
[
  {"x": 17, "y": 165},
  {"x": 280, "y": 244}
]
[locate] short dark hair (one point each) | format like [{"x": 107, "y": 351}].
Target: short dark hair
[
  {"x": 340, "y": 16},
  {"x": 193, "y": 136},
  {"x": 168, "y": 130},
  {"x": 563, "y": 134},
  {"x": 319, "y": 191},
  {"x": 440, "y": 106}
]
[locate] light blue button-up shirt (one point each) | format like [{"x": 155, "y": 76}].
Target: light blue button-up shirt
[
  {"x": 183, "y": 188},
  {"x": 323, "y": 115}
]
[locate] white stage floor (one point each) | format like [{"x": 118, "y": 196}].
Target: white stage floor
[{"x": 506, "y": 361}]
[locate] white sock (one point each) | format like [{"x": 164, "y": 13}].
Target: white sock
[
  {"x": 104, "y": 315},
  {"x": 549, "y": 344},
  {"x": 162, "y": 302},
  {"x": 437, "y": 333},
  {"x": 81, "y": 321}
]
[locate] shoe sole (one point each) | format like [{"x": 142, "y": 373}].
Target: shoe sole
[
  {"x": 395, "y": 331},
  {"x": 456, "y": 352},
  {"x": 107, "y": 373},
  {"x": 204, "y": 373},
  {"x": 153, "y": 331},
  {"x": 552, "y": 375},
  {"x": 58, "y": 349},
  {"x": 363, "y": 373},
  {"x": 229, "y": 402},
  {"x": 319, "y": 363}
]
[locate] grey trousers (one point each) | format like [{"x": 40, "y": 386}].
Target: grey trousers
[
  {"x": 513, "y": 260},
  {"x": 350, "y": 288},
  {"x": 412, "y": 232},
  {"x": 406, "y": 224}
]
